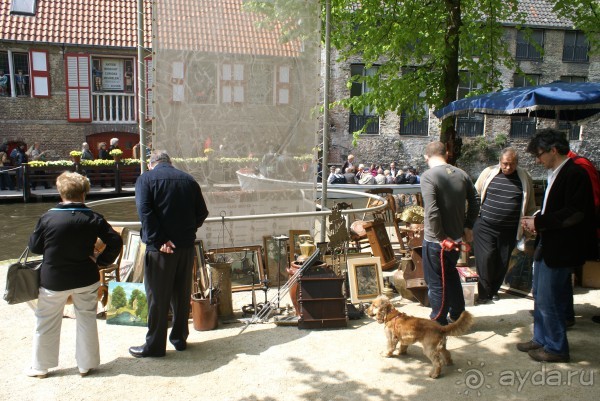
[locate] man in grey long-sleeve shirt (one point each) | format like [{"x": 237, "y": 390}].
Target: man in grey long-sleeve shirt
[{"x": 451, "y": 207}]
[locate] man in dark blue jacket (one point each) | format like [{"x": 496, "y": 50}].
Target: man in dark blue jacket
[{"x": 171, "y": 208}]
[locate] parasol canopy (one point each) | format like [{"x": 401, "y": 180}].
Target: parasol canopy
[{"x": 557, "y": 100}]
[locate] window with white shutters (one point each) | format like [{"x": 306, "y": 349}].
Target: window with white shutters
[
  {"x": 78, "y": 88},
  {"x": 40, "y": 73}
]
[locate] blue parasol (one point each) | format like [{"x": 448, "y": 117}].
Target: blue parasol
[{"x": 557, "y": 100}]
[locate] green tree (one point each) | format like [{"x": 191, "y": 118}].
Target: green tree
[
  {"x": 134, "y": 295},
  {"x": 420, "y": 47},
  {"x": 142, "y": 306},
  {"x": 119, "y": 298}
]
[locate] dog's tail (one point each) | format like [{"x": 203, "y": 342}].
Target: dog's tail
[{"x": 464, "y": 323}]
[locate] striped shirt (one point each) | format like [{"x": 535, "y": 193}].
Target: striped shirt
[{"x": 502, "y": 204}]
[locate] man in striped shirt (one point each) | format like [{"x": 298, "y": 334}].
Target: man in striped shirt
[{"x": 507, "y": 194}]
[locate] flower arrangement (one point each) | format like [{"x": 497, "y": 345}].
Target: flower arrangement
[
  {"x": 116, "y": 152},
  {"x": 75, "y": 153}
]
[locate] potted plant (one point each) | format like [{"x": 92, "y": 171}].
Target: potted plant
[
  {"x": 116, "y": 154},
  {"x": 76, "y": 156}
]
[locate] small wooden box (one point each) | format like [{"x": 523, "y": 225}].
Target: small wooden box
[{"x": 590, "y": 276}]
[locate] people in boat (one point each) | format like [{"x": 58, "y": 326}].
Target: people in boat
[
  {"x": 336, "y": 177},
  {"x": 348, "y": 163},
  {"x": 380, "y": 177},
  {"x": 350, "y": 175}
]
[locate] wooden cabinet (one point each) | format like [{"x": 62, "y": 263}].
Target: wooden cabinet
[{"x": 380, "y": 244}]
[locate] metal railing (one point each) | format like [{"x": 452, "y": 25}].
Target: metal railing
[
  {"x": 113, "y": 108},
  {"x": 221, "y": 219}
]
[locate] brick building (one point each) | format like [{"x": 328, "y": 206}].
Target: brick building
[{"x": 71, "y": 74}]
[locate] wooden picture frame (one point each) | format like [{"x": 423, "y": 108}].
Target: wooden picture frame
[
  {"x": 365, "y": 278},
  {"x": 137, "y": 271},
  {"x": 132, "y": 245},
  {"x": 294, "y": 246},
  {"x": 241, "y": 279},
  {"x": 276, "y": 259}
]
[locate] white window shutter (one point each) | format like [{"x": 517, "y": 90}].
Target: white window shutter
[{"x": 40, "y": 74}]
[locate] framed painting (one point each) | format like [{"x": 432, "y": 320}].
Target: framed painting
[
  {"x": 276, "y": 260},
  {"x": 366, "y": 279},
  {"x": 295, "y": 243},
  {"x": 129, "y": 254},
  {"x": 246, "y": 263},
  {"x": 519, "y": 276},
  {"x": 127, "y": 304}
]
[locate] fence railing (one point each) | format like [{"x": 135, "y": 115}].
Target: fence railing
[
  {"x": 113, "y": 108},
  {"x": 115, "y": 176}
]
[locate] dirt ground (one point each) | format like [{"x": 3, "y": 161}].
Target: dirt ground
[{"x": 268, "y": 362}]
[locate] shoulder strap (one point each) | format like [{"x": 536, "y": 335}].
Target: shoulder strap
[{"x": 70, "y": 209}]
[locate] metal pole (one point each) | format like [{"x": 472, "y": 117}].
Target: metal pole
[
  {"x": 324, "y": 167},
  {"x": 141, "y": 84}
]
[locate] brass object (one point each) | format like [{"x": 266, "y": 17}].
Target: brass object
[{"x": 413, "y": 214}]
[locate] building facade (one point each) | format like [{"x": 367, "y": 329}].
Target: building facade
[{"x": 395, "y": 138}]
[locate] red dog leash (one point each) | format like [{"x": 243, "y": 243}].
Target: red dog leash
[{"x": 448, "y": 245}]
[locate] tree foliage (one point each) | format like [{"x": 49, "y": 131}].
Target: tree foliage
[
  {"x": 420, "y": 47},
  {"x": 119, "y": 298}
]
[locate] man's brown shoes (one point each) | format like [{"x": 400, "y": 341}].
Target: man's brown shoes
[
  {"x": 528, "y": 346},
  {"x": 541, "y": 355}
]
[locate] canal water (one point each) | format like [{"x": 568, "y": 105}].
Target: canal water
[{"x": 17, "y": 221}]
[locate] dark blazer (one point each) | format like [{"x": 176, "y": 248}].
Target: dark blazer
[
  {"x": 170, "y": 206},
  {"x": 566, "y": 228}
]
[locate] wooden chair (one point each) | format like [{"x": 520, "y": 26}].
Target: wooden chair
[
  {"x": 110, "y": 272},
  {"x": 387, "y": 215}
]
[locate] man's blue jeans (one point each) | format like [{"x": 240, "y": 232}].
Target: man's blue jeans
[
  {"x": 454, "y": 302},
  {"x": 549, "y": 315}
]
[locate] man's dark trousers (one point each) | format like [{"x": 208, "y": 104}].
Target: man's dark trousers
[
  {"x": 168, "y": 282},
  {"x": 493, "y": 247}
]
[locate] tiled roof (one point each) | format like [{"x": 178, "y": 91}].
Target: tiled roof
[
  {"x": 205, "y": 25},
  {"x": 540, "y": 14},
  {"x": 216, "y": 26},
  {"x": 110, "y": 23}
]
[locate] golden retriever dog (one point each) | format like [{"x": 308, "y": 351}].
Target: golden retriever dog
[{"x": 407, "y": 330}]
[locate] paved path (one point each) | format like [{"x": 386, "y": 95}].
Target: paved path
[{"x": 269, "y": 362}]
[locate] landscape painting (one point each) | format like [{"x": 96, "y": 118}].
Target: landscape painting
[{"x": 127, "y": 304}]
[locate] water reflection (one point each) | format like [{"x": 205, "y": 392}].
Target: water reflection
[{"x": 19, "y": 219}]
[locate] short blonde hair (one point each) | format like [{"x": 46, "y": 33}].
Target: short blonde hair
[{"x": 72, "y": 186}]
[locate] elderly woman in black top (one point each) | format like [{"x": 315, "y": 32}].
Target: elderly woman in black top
[{"x": 66, "y": 236}]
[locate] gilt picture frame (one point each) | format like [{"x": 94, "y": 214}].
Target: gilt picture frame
[
  {"x": 244, "y": 260},
  {"x": 365, "y": 278},
  {"x": 276, "y": 260}
]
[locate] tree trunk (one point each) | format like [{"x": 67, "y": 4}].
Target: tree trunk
[{"x": 451, "y": 77}]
